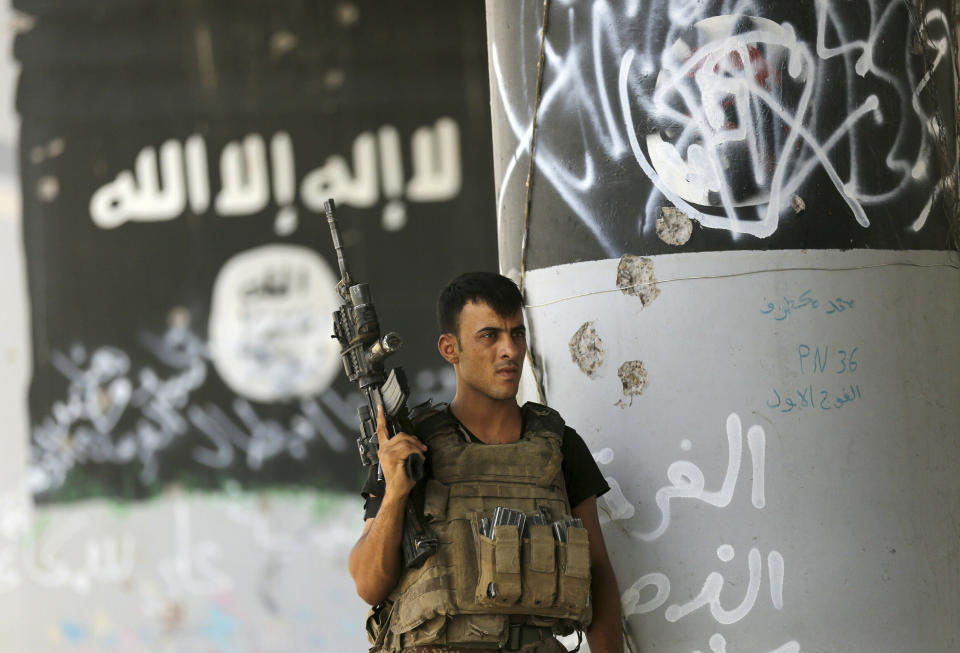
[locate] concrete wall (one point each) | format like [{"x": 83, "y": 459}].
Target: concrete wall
[
  {"x": 743, "y": 289},
  {"x": 153, "y": 499}
]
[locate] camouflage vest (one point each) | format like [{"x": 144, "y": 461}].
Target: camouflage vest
[{"x": 474, "y": 585}]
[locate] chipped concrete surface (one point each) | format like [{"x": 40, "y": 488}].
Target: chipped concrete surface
[
  {"x": 713, "y": 356},
  {"x": 635, "y": 277},
  {"x": 673, "y": 226},
  {"x": 799, "y": 206},
  {"x": 586, "y": 349},
  {"x": 633, "y": 376}
]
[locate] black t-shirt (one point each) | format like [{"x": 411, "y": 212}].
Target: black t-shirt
[{"x": 580, "y": 473}]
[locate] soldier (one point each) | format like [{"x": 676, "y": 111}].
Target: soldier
[{"x": 510, "y": 492}]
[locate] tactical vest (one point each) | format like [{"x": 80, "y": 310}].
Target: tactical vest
[{"x": 474, "y": 586}]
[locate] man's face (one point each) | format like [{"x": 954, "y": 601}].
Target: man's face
[{"x": 490, "y": 351}]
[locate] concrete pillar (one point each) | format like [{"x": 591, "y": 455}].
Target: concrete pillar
[{"x": 738, "y": 246}]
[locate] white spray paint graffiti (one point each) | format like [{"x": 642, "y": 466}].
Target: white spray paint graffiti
[
  {"x": 100, "y": 549},
  {"x": 709, "y": 595},
  {"x": 107, "y": 559},
  {"x": 114, "y": 412},
  {"x": 732, "y": 128},
  {"x": 687, "y": 481}
]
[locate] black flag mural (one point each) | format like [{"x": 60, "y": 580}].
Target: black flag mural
[{"x": 175, "y": 159}]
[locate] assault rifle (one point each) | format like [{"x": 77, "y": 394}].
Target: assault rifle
[{"x": 363, "y": 351}]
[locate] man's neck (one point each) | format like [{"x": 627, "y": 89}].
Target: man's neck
[{"x": 492, "y": 421}]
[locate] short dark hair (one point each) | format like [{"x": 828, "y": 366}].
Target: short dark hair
[{"x": 495, "y": 290}]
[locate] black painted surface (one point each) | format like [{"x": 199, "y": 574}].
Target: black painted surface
[
  {"x": 100, "y": 81},
  {"x": 591, "y": 197}
]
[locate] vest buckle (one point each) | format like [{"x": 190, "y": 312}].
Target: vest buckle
[
  {"x": 514, "y": 637},
  {"x": 520, "y": 634}
]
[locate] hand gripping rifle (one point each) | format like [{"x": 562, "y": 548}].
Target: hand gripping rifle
[{"x": 363, "y": 351}]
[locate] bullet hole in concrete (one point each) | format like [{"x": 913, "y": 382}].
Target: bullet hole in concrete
[
  {"x": 635, "y": 277},
  {"x": 799, "y": 206},
  {"x": 586, "y": 349},
  {"x": 673, "y": 226},
  {"x": 633, "y": 378}
]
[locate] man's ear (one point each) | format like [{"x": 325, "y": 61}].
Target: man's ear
[{"x": 447, "y": 345}]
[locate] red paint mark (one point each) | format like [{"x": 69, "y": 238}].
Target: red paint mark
[
  {"x": 762, "y": 70},
  {"x": 758, "y": 64}
]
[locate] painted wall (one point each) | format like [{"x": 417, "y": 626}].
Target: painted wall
[
  {"x": 180, "y": 269},
  {"x": 742, "y": 282},
  {"x": 177, "y": 466}
]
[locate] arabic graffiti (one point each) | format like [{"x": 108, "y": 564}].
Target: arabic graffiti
[
  {"x": 49, "y": 559},
  {"x": 709, "y": 595},
  {"x": 839, "y": 305},
  {"x": 730, "y": 118},
  {"x": 163, "y": 184},
  {"x": 804, "y": 300},
  {"x": 113, "y": 413},
  {"x": 816, "y": 361},
  {"x": 687, "y": 480},
  {"x": 814, "y": 397},
  {"x": 116, "y": 412},
  {"x": 83, "y": 551},
  {"x": 713, "y": 90}
]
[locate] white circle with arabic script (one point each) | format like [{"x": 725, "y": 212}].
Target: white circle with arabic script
[{"x": 270, "y": 323}]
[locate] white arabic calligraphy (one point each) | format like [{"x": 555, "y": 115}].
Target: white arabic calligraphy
[
  {"x": 436, "y": 162},
  {"x": 142, "y": 194},
  {"x": 709, "y": 594},
  {"x": 687, "y": 479},
  {"x": 106, "y": 560},
  {"x": 162, "y": 186},
  {"x": 243, "y": 175}
]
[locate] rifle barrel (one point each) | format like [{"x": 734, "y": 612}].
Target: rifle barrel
[{"x": 330, "y": 208}]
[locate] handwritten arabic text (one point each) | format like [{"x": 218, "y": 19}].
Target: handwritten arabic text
[
  {"x": 804, "y": 300},
  {"x": 815, "y": 397}
]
